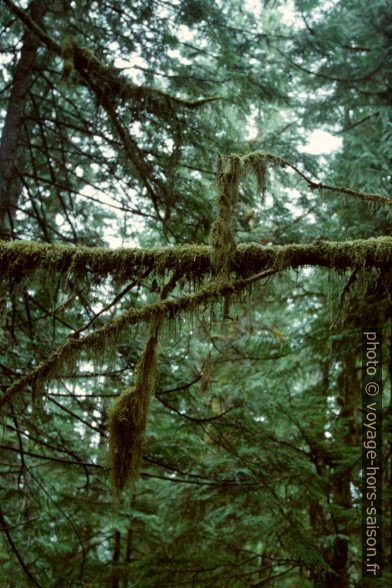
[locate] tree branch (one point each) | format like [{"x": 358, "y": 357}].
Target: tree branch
[
  {"x": 109, "y": 79},
  {"x": 4, "y": 528},
  {"x": 20, "y": 260},
  {"x": 99, "y": 339}
]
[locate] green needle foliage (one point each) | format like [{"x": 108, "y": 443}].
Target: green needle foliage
[{"x": 184, "y": 280}]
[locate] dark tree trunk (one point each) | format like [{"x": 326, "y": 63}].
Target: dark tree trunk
[
  {"x": 341, "y": 495},
  {"x": 127, "y": 559},
  {"x": 10, "y": 137},
  {"x": 115, "y": 581}
]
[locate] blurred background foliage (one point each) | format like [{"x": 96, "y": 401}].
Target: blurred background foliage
[{"x": 251, "y": 472}]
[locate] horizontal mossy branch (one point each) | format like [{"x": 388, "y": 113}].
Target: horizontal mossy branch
[{"x": 20, "y": 260}]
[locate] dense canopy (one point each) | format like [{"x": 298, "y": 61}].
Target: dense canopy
[{"x": 195, "y": 226}]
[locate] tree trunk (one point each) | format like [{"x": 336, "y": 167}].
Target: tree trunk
[
  {"x": 388, "y": 449},
  {"x": 128, "y": 552},
  {"x": 341, "y": 495},
  {"x": 115, "y": 581},
  {"x": 10, "y": 137}
]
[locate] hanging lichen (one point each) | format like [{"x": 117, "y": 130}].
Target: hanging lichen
[
  {"x": 222, "y": 238},
  {"x": 68, "y": 57},
  {"x": 257, "y": 162},
  {"x": 128, "y": 416}
]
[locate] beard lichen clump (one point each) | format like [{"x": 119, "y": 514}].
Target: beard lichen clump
[
  {"x": 222, "y": 238},
  {"x": 223, "y": 247},
  {"x": 128, "y": 417},
  {"x": 127, "y": 421},
  {"x": 257, "y": 163},
  {"x": 68, "y": 57}
]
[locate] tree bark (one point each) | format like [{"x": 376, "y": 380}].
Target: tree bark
[
  {"x": 128, "y": 551},
  {"x": 341, "y": 495},
  {"x": 115, "y": 580},
  {"x": 388, "y": 450},
  {"x": 13, "y": 124}
]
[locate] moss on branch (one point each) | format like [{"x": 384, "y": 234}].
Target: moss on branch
[
  {"x": 101, "y": 339},
  {"x": 20, "y": 260},
  {"x": 105, "y": 79}
]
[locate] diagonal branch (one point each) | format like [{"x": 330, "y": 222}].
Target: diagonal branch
[
  {"x": 5, "y": 528},
  {"x": 257, "y": 157},
  {"x": 99, "y": 339},
  {"x": 89, "y": 66}
]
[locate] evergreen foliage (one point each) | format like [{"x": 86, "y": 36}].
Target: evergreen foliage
[{"x": 183, "y": 287}]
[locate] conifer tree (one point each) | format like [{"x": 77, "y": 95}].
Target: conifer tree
[{"x": 184, "y": 286}]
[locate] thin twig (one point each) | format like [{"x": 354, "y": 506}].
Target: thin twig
[
  {"x": 5, "y": 528},
  {"x": 215, "y": 290}
]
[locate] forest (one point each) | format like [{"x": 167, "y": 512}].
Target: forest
[{"x": 195, "y": 230}]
